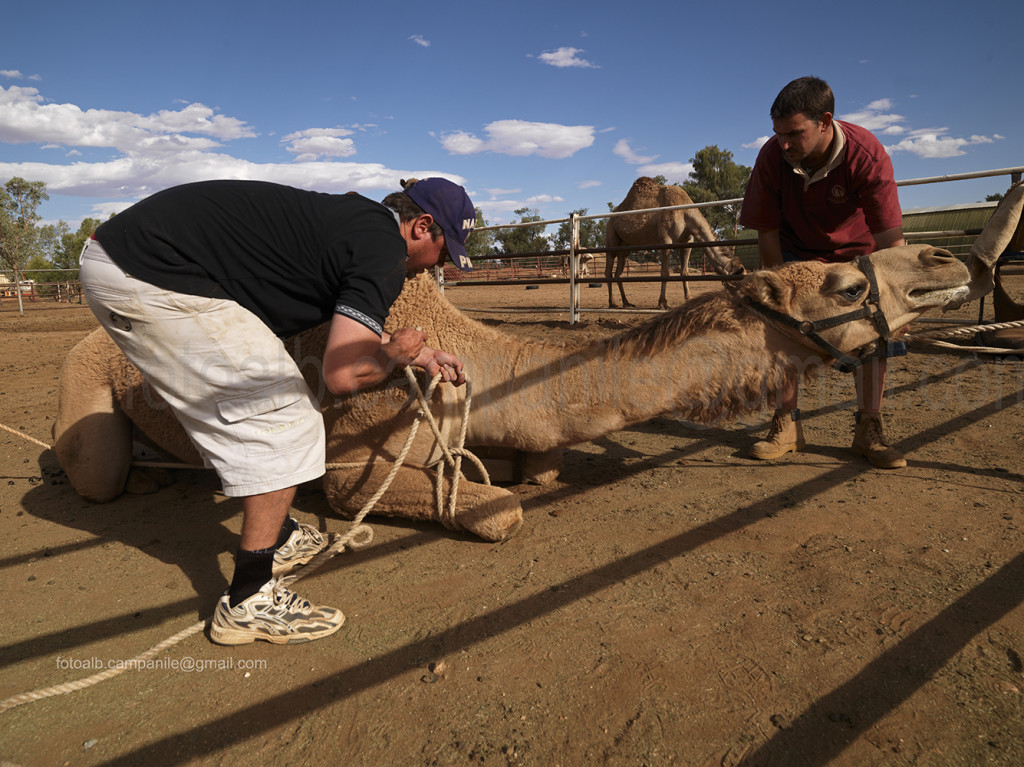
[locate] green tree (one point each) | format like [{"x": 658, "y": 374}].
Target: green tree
[
  {"x": 19, "y": 201},
  {"x": 716, "y": 177},
  {"x": 480, "y": 243},
  {"x": 523, "y": 239},
  {"x": 71, "y": 243},
  {"x": 591, "y": 232}
]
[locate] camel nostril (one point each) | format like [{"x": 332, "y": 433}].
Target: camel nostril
[{"x": 935, "y": 258}]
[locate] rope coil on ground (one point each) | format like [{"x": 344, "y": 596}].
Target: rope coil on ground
[{"x": 357, "y": 537}]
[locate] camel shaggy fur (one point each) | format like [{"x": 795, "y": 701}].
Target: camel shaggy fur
[
  {"x": 714, "y": 357},
  {"x": 660, "y": 228}
]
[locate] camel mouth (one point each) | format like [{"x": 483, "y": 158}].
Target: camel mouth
[{"x": 931, "y": 297}]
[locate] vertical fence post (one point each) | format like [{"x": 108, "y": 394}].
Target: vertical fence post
[
  {"x": 17, "y": 289},
  {"x": 574, "y": 257}
]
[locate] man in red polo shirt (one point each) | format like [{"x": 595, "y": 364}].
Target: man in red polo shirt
[{"x": 823, "y": 190}]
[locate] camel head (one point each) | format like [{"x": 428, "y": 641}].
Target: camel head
[{"x": 840, "y": 308}]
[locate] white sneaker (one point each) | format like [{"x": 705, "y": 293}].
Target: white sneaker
[
  {"x": 302, "y": 545},
  {"x": 273, "y": 614}
]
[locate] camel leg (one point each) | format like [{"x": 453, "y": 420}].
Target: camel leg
[
  {"x": 612, "y": 240},
  {"x": 684, "y": 270},
  {"x": 666, "y": 268},
  {"x": 492, "y": 513},
  {"x": 619, "y": 267}
]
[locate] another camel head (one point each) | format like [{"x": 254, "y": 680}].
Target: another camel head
[
  {"x": 997, "y": 235},
  {"x": 911, "y": 280}
]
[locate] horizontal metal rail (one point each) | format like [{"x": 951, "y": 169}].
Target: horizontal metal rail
[{"x": 574, "y": 251}]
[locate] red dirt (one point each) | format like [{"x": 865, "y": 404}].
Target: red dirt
[{"x": 667, "y": 601}]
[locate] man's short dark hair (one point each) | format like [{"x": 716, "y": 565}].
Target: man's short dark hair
[
  {"x": 407, "y": 210},
  {"x": 810, "y": 96}
]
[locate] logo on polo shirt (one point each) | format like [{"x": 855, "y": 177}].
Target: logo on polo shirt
[{"x": 837, "y": 194}]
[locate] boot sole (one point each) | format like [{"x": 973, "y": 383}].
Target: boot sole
[
  {"x": 778, "y": 453},
  {"x": 894, "y": 464}
]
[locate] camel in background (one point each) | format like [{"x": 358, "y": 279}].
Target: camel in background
[
  {"x": 661, "y": 228},
  {"x": 583, "y": 259}
]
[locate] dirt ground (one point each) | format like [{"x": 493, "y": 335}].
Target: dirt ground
[{"x": 667, "y": 601}]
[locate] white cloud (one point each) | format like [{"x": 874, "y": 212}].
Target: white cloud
[
  {"x": 314, "y": 143},
  {"x": 566, "y": 57},
  {"x": 674, "y": 172},
  {"x": 152, "y": 152},
  {"x": 625, "y": 151},
  {"x": 880, "y": 118},
  {"x": 877, "y": 117},
  {"x": 25, "y": 118},
  {"x": 16, "y": 74},
  {"x": 520, "y": 138},
  {"x": 589, "y": 184},
  {"x": 419, "y": 40},
  {"x": 540, "y": 199},
  {"x": 934, "y": 143},
  {"x": 129, "y": 178},
  {"x": 498, "y": 211},
  {"x": 499, "y": 192}
]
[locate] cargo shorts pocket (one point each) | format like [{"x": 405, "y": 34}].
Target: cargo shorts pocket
[
  {"x": 275, "y": 419},
  {"x": 111, "y": 298}
]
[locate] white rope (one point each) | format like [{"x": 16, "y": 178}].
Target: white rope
[
  {"x": 357, "y": 537},
  {"x": 25, "y": 436},
  {"x": 968, "y": 330},
  {"x": 932, "y": 338},
  {"x": 142, "y": 464}
]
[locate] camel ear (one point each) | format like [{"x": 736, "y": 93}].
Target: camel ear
[{"x": 766, "y": 287}]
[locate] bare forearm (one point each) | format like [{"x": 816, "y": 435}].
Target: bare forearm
[
  {"x": 890, "y": 238},
  {"x": 770, "y": 248}
]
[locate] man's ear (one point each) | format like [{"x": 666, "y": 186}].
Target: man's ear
[{"x": 421, "y": 226}]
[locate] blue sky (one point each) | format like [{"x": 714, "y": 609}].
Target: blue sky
[{"x": 551, "y": 106}]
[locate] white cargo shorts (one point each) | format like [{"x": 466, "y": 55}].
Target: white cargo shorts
[{"x": 229, "y": 380}]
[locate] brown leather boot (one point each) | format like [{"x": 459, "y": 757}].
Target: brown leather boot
[
  {"x": 786, "y": 435},
  {"x": 869, "y": 441}
]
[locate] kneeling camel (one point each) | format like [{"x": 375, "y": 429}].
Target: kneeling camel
[{"x": 711, "y": 358}]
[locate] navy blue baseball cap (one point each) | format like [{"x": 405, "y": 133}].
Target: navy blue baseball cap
[{"x": 453, "y": 211}]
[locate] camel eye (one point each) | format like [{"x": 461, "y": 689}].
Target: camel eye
[{"x": 852, "y": 292}]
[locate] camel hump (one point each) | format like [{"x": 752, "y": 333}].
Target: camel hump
[{"x": 648, "y": 193}]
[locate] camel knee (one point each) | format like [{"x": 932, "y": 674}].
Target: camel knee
[{"x": 96, "y": 454}]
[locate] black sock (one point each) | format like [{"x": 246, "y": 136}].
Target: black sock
[
  {"x": 289, "y": 526},
  {"x": 252, "y": 570}
]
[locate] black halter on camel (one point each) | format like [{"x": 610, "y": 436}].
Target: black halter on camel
[{"x": 844, "y": 362}]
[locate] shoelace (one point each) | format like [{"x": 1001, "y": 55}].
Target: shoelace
[{"x": 287, "y": 599}]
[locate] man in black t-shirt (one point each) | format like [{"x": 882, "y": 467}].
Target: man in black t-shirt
[{"x": 199, "y": 283}]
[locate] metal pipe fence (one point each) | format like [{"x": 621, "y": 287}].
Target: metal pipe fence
[{"x": 539, "y": 267}]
